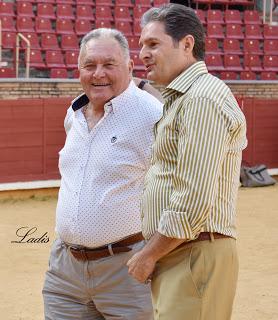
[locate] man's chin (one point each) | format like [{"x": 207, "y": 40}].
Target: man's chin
[
  {"x": 151, "y": 76},
  {"x": 154, "y": 77}
]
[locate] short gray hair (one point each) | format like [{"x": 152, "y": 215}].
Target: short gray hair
[{"x": 105, "y": 33}]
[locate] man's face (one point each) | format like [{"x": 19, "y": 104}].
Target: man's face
[
  {"x": 164, "y": 59},
  {"x": 104, "y": 70}
]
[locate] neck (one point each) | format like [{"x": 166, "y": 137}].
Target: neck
[{"x": 95, "y": 109}]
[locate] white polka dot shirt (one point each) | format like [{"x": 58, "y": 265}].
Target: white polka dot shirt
[{"x": 103, "y": 170}]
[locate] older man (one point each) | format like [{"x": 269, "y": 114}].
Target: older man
[
  {"x": 190, "y": 190},
  {"x": 103, "y": 163}
]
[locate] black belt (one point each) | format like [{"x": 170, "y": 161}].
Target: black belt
[{"x": 84, "y": 254}]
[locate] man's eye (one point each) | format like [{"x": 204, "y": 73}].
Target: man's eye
[{"x": 89, "y": 67}]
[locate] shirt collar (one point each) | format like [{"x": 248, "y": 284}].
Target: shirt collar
[
  {"x": 185, "y": 80},
  {"x": 115, "y": 102}
]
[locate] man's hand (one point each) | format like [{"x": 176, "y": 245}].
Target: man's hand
[{"x": 141, "y": 266}]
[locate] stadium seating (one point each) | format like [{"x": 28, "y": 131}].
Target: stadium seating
[
  {"x": 58, "y": 73},
  {"x": 66, "y": 2},
  {"x": 124, "y": 3},
  {"x": 201, "y": 15},
  {"x": 85, "y": 2},
  {"x": 25, "y": 24},
  {"x": 228, "y": 75},
  {"x": 231, "y": 46},
  {"x": 49, "y": 42},
  {"x": 46, "y": 10},
  {"x": 252, "y": 46},
  {"x": 252, "y": 62},
  {"x": 54, "y": 59},
  {"x": 136, "y": 28},
  {"x": 36, "y": 59},
  {"x": 133, "y": 42},
  {"x": 45, "y": 1},
  {"x": 34, "y": 40},
  {"x": 248, "y": 75},
  {"x": 7, "y": 9},
  {"x": 82, "y": 27},
  {"x": 138, "y": 12},
  {"x": 143, "y": 3},
  {"x": 103, "y": 23},
  {"x": 105, "y": 3},
  {"x": 104, "y": 13},
  {"x": 253, "y": 31},
  {"x": 138, "y": 65},
  {"x": 25, "y": 9},
  {"x": 64, "y": 26},
  {"x": 158, "y": 3},
  {"x": 8, "y": 40},
  {"x": 7, "y": 73},
  {"x": 69, "y": 42},
  {"x": 214, "y": 62},
  {"x": 75, "y": 73},
  {"x": 233, "y": 16},
  {"x": 234, "y": 31},
  {"x": 215, "y": 31},
  {"x": 125, "y": 27},
  {"x": 215, "y": 16},
  {"x": 85, "y": 12},
  {"x": 122, "y": 14},
  {"x": 251, "y": 17},
  {"x": 270, "y": 32},
  {"x": 212, "y": 47},
  {"x": 237, "y": 44},
  {"x": 271, "y": 47},
  {"x": 43, "y": 25},
  {"x": 268, "y": 75},
  {"x": 71, "y": 59},
  {"x": 64, "y": 11},
  {"x": 232, "y": 62},
  {"x": 270, "y": 63}
]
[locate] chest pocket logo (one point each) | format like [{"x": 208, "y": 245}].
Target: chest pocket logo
[{"x": 113, "y": 139}]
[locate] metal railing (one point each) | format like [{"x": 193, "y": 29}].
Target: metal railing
[
  {"x": 28, "y": 50},
  {"x": 268, "y": 13}
]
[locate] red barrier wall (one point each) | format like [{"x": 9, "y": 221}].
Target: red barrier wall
[
  {"x": 32, "y": 133},
  {"x": 262, "y": 131}
]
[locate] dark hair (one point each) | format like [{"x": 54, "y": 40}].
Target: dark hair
[{"x": 179, "y": 21}]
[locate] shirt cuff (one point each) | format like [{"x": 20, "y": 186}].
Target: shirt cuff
[{"x": 175, "y": 225}]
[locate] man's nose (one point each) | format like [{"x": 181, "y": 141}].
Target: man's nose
[
  {"x": 143, "y": 54},
  {"x": 99, "y": 72}
]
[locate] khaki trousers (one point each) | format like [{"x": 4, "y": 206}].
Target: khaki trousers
[
  {"x": 94, "y": 290},
  {"x": 196, "y": 281}
]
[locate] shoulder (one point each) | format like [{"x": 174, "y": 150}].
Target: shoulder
[
  {"x": 146, "y": 104},
  {"x": 68, "y": 119},
  {"x": 211, "y": 88}
]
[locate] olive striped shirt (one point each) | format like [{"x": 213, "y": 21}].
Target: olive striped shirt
[{"x": 193, "y": 179}]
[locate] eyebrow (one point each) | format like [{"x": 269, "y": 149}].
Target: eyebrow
[
  {"x": 148, "y": 40},
  {"x": 110, "y": 59}
]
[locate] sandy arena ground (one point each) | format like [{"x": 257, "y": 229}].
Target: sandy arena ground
[{"x": 23, "y": 264}]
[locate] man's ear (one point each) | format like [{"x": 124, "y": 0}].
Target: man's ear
[
  {"x": 130, "y": 66},
  {"x": 187, "y": 43}
]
